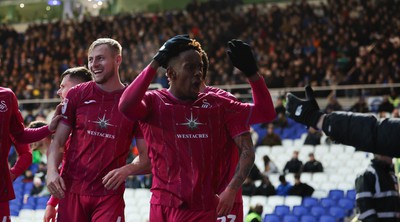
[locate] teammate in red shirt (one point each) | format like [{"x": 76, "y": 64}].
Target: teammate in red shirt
[
  {"x": 12, "y": 130},
  {"x": 70, "y": 77},
  {"x": 99, "y": 142},
  {"x": 186, "y": 131},
  {"x": 228, "y": 165}
]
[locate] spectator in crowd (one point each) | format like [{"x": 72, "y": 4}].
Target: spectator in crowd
[
  {"x": 299, "y": 188},
  {"x": 248, "y": 187},
  {"x": 39, "y": 148},
  {"x": 313, "y": 137},
  {"x": 271, "y": 138},
  {"x": 312, "y": 165},
  {"x": 281, "y": 119},
  {"x": 255, "y": 213},
  {"x": 394, "y": 99},
  {"x": 378, "y": 191},
  {"x": 360, "y": 106},
  {"x": 385, "y": 107},
  {"x": 333, "y": 103},
  {"x": 269, "y": 166},
  {"x": 266, "y": 188},
  {"x": 294, "y": 165},
  {"x": 283, "y": 187}
]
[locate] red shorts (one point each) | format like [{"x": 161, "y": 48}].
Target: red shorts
[
  {"x": 4, "y": 212},
  {"x": 161, "y": 213},
  {"x": 75, "y": 207},
  {"x": 236, "y": 214}
]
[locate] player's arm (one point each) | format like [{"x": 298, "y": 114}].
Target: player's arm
[
  {"x": 140, "y": 165},
  {"x": 22, "y": 135},
  {"x": 51, "y": 211},
  {"x": 55, "y": 153},
  {"x": 242, "y": 58},
  {"x": 131, "y": 103},
  {"x": 363, "y": 131},
  {"x": 246, "y": 162},
  {"x": 24, "y": 159}
]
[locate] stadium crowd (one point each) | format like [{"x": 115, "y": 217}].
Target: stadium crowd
[{"x": 337, "y": 42}]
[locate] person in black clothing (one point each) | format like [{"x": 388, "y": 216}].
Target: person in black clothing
[
  {"x": 293, "y": 165},
  {"x": 362, "y": 131},
  {"x": 299, "y": 188},
  {"x": 266, "y": 188},
  {"x": 312, "y": 165},
  {"x": 313, "y": 137},
  {"x": 377, "y": 192},
  {"x": 248, "y": 187}
]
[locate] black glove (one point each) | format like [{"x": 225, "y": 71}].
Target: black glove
[
  {"x": 305, "y": 111},
  {"x": 242, "y": 57},
  {"x": 171, "y": 48}
]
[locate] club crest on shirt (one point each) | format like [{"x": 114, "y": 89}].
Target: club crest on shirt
[
  {"x": 191, "y": 123},
  {"x": 3, "y": 106},
  {"x": 205, "y": 104},
  {"x": 64, "y": 107}
]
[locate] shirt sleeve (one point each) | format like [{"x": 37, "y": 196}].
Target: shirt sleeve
[
  {"x": 132, "y": 105},
  {"x": 264, "y": 110},
  {"x": 24, "y": 158},
  {"x": 364, "y": 131},
  {"x": 17, "y": 128},
  {"x": 53, "y": 201},
  {"x": 68, "y": 110}
]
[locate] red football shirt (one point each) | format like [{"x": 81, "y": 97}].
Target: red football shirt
[
  {"x": 100, "y": 138},
  {"x": 185, "y": 143},
  {"x": 11, "y": 126},
  {"x": 231, "y": 156}
]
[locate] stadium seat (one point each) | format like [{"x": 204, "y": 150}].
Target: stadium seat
[
  {"x": 338, "y": 213},
  {"x": 347, "y": 204},
  {"x": 282, "y": 210},
  {"x": 308, "y": 218},
  {"x": 351, "y": 194},
  {"x": 317, "y": 211},
  {"x": 309, "y": 202},
  {"x": 318, "y": 193},
  {"x": 28, "y": 186},
  {"x": 290, "y": 218},
  {"x": 30, "y": 204},
  {"x": 300, "y": 211},
  {"x": 336, "y": 194},
  {"x": 258, "y": 199},
  {"x": 327, "y": 218},
  {"x": 327, "y": 202},
  {"x": 271, "y": 218},
  {"x": 275, "y": 200},
  {"x": 14, "y": 210},
  {"x": 292, "y": 201}
]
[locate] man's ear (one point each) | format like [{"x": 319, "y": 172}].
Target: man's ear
[
  {"x": 118, "y": 59},
  {"x": 171, "y": 74}
]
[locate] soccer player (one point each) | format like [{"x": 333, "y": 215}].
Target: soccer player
[
  {"x": 69, "y": 78},
  {"x": 12, "y": 130},
  {"x": 186, "y": 130},
  {"x": 228, "y": 165},
  {"x": 99, "y": 142}
]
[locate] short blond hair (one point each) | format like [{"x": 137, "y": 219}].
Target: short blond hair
[{"x": 111, "y": 43}]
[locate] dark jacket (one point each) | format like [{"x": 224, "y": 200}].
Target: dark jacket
[
  {"x": 364, "y": 132},
  {"x": 377, "y": 197}
]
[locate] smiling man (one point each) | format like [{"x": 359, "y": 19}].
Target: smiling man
[{"x": 99, "y": 142}]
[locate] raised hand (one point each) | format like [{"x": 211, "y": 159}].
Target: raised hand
[
  {"x": 171, "y": 48},
  {"x": 242, "y": 57},
  {"x": 305, "y": 111}
]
